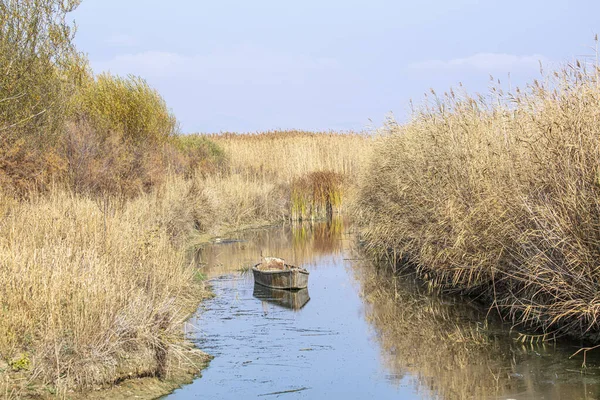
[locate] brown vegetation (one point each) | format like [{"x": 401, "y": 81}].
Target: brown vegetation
[
  {"x": 92, "y": 291},
  {"x": 498, "y": 197},
  {"x": 291, "y": 154},
  {"x": 317, "y": 170},
  {"x": 316, "y": 193}
]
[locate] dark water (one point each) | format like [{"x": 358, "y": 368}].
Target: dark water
[{"x": 354, "y": 335}]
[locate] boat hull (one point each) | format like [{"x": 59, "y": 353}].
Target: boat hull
[{"x": 290, "y": 279}]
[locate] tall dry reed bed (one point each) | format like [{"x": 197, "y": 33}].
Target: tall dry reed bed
[
  {"x": 92, "y": 291},
  {"x": 316, "y": 170},
  {"x": 498, "y": 197}
]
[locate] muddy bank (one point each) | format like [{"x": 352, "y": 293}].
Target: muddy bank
[
  {"x": 190, "y": 365},
  {"x": 137, "y": 379}
]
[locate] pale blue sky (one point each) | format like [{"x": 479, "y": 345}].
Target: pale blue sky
[{"x": 272, "y": 64}]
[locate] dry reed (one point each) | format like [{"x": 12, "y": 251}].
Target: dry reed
[
  {"x": 291, "y": 154},
  {"x": 499, "y": 197},
  {"x": 92, "y": 291},
  {"x": 317, "y": 170}
]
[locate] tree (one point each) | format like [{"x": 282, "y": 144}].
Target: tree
[{"x": 39, "y": 68}]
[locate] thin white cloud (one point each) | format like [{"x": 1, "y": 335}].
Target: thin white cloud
[
  {"x": 122, "y": 40},
  {"x": 242, "y": 65},
  {"x": 486, "y": 62},
  {"x": 150, "y": 63}
]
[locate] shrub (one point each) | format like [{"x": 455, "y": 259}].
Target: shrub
[
  {"x": 39, "y": 71},
  {"x": 193, "y": 153},
  {"x": 127, "y": 107},
  {"x": 106, "y": 165},
  {"x": 39, "y": 66},
  {"x": 120, "y": 141},
  {"x": 316, "y": 194}
]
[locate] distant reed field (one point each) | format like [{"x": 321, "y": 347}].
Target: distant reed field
[
  {"x": 317, "y": 170},
  {"x": 292, "y": 154}
]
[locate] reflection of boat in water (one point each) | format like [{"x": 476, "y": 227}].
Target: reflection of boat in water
[
  {"x": 294, "y": 300},
  {"x": 275, "y": 273}
]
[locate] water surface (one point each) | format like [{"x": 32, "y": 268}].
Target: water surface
[{"x": 355, "y": 335}]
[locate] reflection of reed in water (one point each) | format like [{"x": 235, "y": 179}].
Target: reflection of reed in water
[
  {"x": 299, "y": 244},
  {"x": 293, "y": 300},
  {"x": 316, "y": 239},
  {"x": 446, "y": 350}
]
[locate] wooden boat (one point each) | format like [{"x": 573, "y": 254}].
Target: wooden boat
[
  {"x": 275, "y": 273},
  {"x": 292, "y": 299}
]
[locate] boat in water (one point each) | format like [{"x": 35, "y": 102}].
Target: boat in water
[{"x": 275, "y": 273}]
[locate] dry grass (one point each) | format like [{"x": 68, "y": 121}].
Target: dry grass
[
  {"x": 499, "y": 197},
  {"x": 93, "y": 290},
  {"x": 287, "y": 155},
  {"x": 316, "y": 169},
  {"x": 236, "y": 201}
]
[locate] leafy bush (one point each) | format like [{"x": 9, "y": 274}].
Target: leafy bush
[
  {"x": 193, "y": 153},
  {"x": 127, "y": 107},
  {"x": 39, "y": 72},
  {"x": 39, "y": 68}
]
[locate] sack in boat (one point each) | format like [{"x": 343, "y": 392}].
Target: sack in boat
[{"x": 273, "y": 263}]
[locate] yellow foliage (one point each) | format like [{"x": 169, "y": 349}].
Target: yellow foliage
[
  {"x": 39, "y": 68},
  {"x": 128, "y": 107}
]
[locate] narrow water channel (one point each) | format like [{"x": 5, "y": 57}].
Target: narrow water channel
[{"x": 353, "y": 335}]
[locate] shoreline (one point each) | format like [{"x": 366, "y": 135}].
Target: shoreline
[{"x": 192, "y": 360}]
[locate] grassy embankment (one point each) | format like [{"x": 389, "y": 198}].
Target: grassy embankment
[
  {"x": 100, "y": 198},
  {"x": 498, "y": 197}
]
